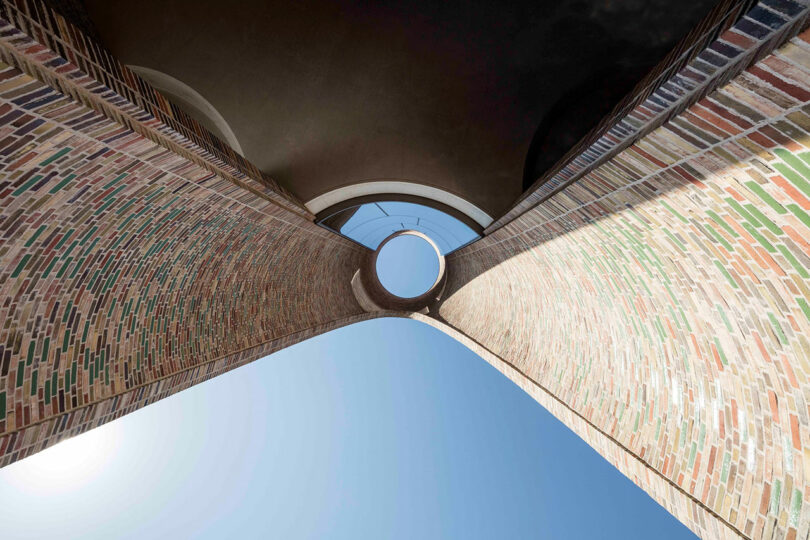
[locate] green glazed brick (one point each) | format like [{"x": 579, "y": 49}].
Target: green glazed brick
[
  {"x": 23, "y": 188},
  {"x": 48, "y": 269},
  {"x": 114, "y": 181},
  {"x": 742, "y": 212},
  {"x": 792, "y": 176},
  {"x": 795, "y": 508},
  {"x": 20, "y": 373},
  {"x": 67, "y": 234},
  {"x": 762, "y": 194},
  {"x": 719, "y": 238},
  {"x": 20, "y": 266},
  {"x": 799, "y": 213},
  {"x": 31, "y": 348},
  {"x": 720, "y": 351},
  {"x": 34, "y": 236},
  {"x": 64, "y": 267},
  {"x": 777, "y": 328},
  {"x": 804, "y": 306},
  {"x": 724, "y": 317},
  {"x": 770, "y": 225},
  {"x": 66, "y": 253},
  {"x": 776, "y": 494},
  {"x": 56, "y": 156},
  {"x": 62, "y": 184},
  {"x": 66, "y": 341},
  {"x": 725, "y": 273},
  {"x": 802, "y": 271},
  {"x": 675, "y": 240},
  {"x": 674, "y": 212},
  {"x": 761, "y": 239},
  {"x": 720, "y": 221},
  {"x": 726, "y": 466}
]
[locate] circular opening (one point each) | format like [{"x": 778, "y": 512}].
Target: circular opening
[{"x": 407, "y": 266}]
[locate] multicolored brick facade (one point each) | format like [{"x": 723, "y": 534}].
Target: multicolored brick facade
[
  {"x": 55, "y": 52},
  {"x": 662, "y": 304},
  {"x": 655, "y": 297},
  {"x": 129, "y": 270},
  {"x": 735, "y": 34}
]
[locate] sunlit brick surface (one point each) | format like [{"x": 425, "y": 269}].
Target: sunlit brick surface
[
  {"x": 659, "y": 305},
  {"x": 734, "y": 34},
  {"x": 665, "y": 300}
]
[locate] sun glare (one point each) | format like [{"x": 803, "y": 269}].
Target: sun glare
[{"x": 67, "y": 464}]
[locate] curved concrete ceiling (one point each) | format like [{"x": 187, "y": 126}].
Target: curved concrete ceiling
[{"x": 325, "y": 94}]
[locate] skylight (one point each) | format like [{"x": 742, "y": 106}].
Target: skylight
[{"x": 370, "y": 223}]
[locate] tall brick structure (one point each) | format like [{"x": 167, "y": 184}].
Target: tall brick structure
[{"x": 652, "y": 290}]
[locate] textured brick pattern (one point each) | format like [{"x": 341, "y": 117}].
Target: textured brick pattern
[
  {"x": 129, "y": 271},
  {"x": 53, "y": 50},
  {"x": 663, "y": 303},
  {"x": 642, "y": 473},
  {"x": 659, "y": 305},
  {"x": 711, "y": 55}
]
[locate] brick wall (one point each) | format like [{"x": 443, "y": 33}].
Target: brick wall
[
  {"x": 660, "y": 305},
  {"x": 134, "y": 262},
  {"x": 735, "y": 34},
  {"x": 655, "y": 297}
]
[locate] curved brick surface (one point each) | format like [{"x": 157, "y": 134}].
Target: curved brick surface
[
  {"x": 129, "y": 271},
  {"x": 664, "y": 299},
  {"x": 659, "y": 305},
  {"x": 734, "y": 34}
]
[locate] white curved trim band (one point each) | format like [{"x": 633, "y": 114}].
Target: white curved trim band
[
  {"x": 322, "y": 202},
  {"x": 174, "y": 87}
]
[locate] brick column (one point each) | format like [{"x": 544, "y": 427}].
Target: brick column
[
  {"x": 139, "y": 254},
  {"x": 660, "y": 304}
]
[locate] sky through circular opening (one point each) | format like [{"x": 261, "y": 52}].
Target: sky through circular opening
[{"x": 407, "y": 266}]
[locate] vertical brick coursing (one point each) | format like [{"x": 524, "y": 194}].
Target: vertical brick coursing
[
  {"x": 662, "y": 304},
  {"x": 133, "y": 264}
]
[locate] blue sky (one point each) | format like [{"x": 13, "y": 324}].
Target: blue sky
[
  {"x": 407, "y": 266},
  {"x": 373, "y": 222},
  {"x": 384, "y": 429}
]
